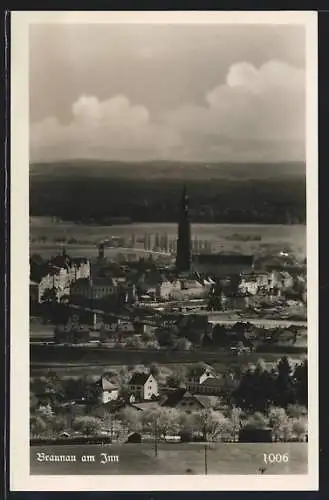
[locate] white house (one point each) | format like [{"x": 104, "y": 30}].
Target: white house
[
  {"x": 143, "y": 386},
  {"x": 109, "y": 390},
  {"x": 199, "y": 377}
]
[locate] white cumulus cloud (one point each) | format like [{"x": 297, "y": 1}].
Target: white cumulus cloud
[
  {"x": 256, "y": 114},
  {"x": 112, "y": 128}
]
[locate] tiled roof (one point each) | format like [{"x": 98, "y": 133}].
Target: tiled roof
[
  {"x": 108, "y": 385},
  {"x": 139, "y": 378},
  {"x": 146, "y": 405},
  {"x": 174, "y": 397},
  {"x": 206, "y": 401},
  {"x": 212, "y": 382},
  {"x": 198, "y": 371}
]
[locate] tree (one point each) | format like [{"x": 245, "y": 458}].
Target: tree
[
  {"x": 256, "y": 421},
  {"x": 278, "y": 421},
  {"x": 256, "y": 390},
  {"x": 87, "y": 425},
  {"x": 236, "y": 414},
  {"x": 37, "y": 425},
  {"x": 161, "y": 421},
  {"x": 81, "y": 388},
  {"x": 134, "y": 343},
  {"x": 186, "y": 422},
  {"x": 301, "y": 383},
  {"x": 168, "y": 421},
  {"x": 58, "y": 423},
  {"x": 299, "y": 428},
  {"x": 154, "y": 370},
  {"x": 152, "y": 344},
  {"x": 296, "y": 411},
  {"x": 33, "y": 401},
  {"x": 213, "y": 425},
  {"x": 46, "y": 412},
  {"x": 219, "y": 336},
  {"x": 132, "y": 419},
  {"x": 165, "y": 338},
  {"x": 284, "y": 384},
  {"x": 123, "y": 375},
  {"x": 146, "y": 336},
  {"x": 175, "y": 380},
  {"x": 36, "y": 258}
]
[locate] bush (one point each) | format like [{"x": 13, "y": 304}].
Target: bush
[{"x": 87, "y": 425}]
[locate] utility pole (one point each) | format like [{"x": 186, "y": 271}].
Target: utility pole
[
  {"x": 155, "y": 439},
  {"x": 205, "y": 459},
  {"x": 111, "y": 427}
]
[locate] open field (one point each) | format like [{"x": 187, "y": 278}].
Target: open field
[
  {"x": 173, "y": 459},
  {"x": 58, "y": 354}
]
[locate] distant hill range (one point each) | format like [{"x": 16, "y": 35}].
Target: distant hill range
[
  {"x": 167, "y": 170},
  {"x": 98, "y": 191}
]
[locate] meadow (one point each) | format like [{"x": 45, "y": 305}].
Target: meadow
[{"x": 173, "y": 459}]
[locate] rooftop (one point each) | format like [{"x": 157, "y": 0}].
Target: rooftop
[
  {"x": 139, "y": 378},
  {"x": 206, "y": 401},
  {"x": 172, "y": 398},
  {"x": 213, "y": 382},
  {"x": 146, "y": 405}
]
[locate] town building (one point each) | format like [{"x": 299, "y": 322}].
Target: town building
[
  {"x": 182, "y": 399},
  {"x": 143, "y": 386},
  {"x": 94, "y": 288},
  {"x": 209, "y": 387},
  {"x": 254, "y": 283},
  {"x": 198, "y": 376},
  {"x": 57, "y": 275},
  {"x": 166, "y": 289},
  {"x": 192, "y": 402},
  {"x": 109, "y": 390}
]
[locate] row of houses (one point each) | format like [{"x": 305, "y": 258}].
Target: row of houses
[
  {"x": 256, "y": 282},
  {"x": 144, "y": 387}
]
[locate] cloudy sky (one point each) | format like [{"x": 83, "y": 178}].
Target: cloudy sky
[{"x": 190, "y": 93}]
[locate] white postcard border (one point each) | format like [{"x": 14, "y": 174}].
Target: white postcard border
[{"x": 20, "y": 478}]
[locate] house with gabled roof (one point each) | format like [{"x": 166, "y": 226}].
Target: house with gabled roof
[
  {"x": 198, "y": 375},
  {"x": 109, "y": 388},
  {"x": 194, "y": 402},
  {"x": 143, "y": 386}
]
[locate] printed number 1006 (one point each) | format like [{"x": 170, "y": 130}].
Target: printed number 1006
[{"x": 276, "y": 458}]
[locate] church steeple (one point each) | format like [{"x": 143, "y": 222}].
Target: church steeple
[{"x": 183, "y": 258}]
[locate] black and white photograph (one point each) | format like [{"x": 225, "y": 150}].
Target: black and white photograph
[{"x": 164, "y": 250}]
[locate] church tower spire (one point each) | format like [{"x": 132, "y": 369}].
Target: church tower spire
[{"x": 183, "y": 258}]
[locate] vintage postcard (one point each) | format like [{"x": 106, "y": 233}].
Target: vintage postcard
[{"x": 164, "y": 251}]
